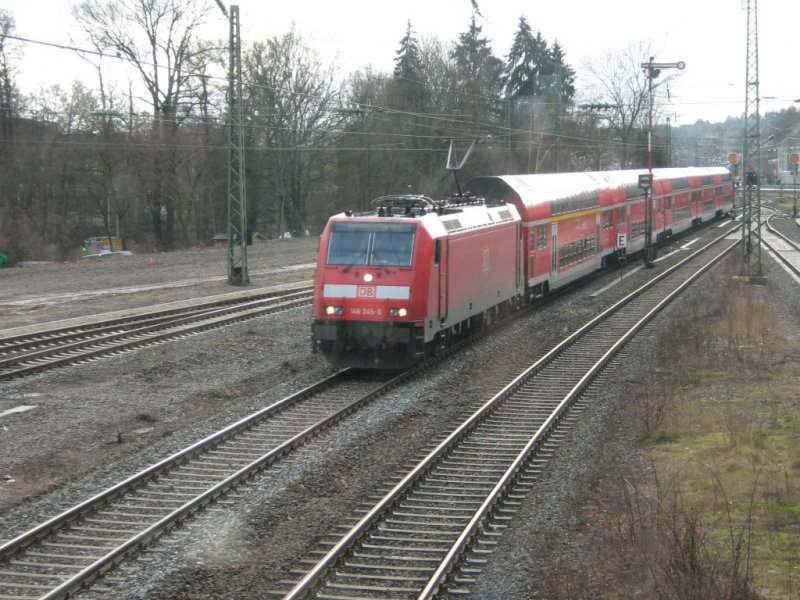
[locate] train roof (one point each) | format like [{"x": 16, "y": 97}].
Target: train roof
[
  {"x": 569, "y": 192},
  {"x": 445, "y": 217}
]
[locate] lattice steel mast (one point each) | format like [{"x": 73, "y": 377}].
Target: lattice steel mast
[
  {"x": 751, "y": 152},
  {"x": 237, "y": 198}
]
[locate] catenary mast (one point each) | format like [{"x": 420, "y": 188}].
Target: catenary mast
[
  {"x": 237, "y": 198},
  {"x": 751, "y": 152}
]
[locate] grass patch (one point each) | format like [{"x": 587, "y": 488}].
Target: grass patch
[
  {"x": 704, "y": 502},
  {"x": 735, "y": 444}
]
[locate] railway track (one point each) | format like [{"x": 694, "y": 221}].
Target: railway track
[
  {"x": 33, "y": 352},
  {"x": 786, "y": 250},
  {"x": 68, "y": 552},
  {"x": 429, "y": 533}
]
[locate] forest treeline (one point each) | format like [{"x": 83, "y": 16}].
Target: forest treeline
[{"x": 148, "y": 162}]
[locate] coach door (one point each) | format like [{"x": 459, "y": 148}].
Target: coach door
[
  {"x": 553, "y": 250},
  {"x": 440, "y": 255},
  {"x": 598, "y": 250}
]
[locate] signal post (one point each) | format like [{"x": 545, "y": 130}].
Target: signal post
[
  {"x": 653, "y": 70},
  {"x": 795, "y": 158}
]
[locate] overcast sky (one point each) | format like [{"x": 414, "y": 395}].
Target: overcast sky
[{"x": 709, "y": 36}]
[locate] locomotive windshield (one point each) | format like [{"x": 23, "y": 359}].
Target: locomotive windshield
[{"x": 379, "y": 244}]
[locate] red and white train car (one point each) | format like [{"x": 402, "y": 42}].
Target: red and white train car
[
  {"x": 573, "y": 221},
  {"x": 397, "y": 283}
]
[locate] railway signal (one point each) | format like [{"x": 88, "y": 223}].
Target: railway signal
[
  {"x": 795, "y": 158},
  {"x": 653, "y": 70},
  {"x": 646, "y": 184},
  {"x": 733, "y": 159}
]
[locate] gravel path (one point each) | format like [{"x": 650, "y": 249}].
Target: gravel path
[{"x": 51, "y": 291}]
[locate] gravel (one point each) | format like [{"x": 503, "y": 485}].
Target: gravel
[{"x": 99, "y": 422}]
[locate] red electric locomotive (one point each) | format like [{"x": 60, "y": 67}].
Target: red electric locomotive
[
  {"x": 396, "y": 283},
  {"x": 399, "y": 282}
]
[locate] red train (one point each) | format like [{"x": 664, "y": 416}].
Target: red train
[{"x": 400, "y": 282}]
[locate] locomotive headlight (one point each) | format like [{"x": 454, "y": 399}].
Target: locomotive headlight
[
  {"x": 367, "y": 277},
  {"x": 397, "y": 312},
  {"x": 334, "y": 310}
]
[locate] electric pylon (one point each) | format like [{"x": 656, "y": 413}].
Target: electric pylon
[
  {"x": 751, "y": 152},
  {"x": 237, "y": 199}
]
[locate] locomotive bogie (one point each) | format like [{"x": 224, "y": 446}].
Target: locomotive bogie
[{"x": 369, "y": 344}]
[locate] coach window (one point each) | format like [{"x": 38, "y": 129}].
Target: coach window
[
  {"x": 608, "y": 219},
  {"x": 620, "y": 215},
  {"x": 542, "y": 236}
]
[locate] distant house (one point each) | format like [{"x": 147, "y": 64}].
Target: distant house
[{"x": 221, "y": 239}]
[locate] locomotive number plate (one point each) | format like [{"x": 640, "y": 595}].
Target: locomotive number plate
[{"x": 366, "y": 312}]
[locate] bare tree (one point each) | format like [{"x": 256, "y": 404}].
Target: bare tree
[
  {"x": 362, "y": 157},
  {"x": 620, "y": 84},
  {"x": 295, "y": 107},
  {"x": 7, "y": 88},
  {"x": 156, "y": 37}
]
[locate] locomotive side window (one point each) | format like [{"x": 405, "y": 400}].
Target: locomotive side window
[{"x": 381, "y": 244}]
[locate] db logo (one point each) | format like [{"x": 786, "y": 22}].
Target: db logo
[{"x": 366, "y": 291}]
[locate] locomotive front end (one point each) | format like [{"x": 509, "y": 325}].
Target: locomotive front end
[{"x": 368, "y": 309}]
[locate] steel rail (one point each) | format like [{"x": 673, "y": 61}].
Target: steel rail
[
  {"x": 122, "y": 550},
  {"x": 103, "y": 324},
  {"x": 186, "y": 511},
  {"x": 20, "y": 542},
  {"x": 139, "y": 336}
]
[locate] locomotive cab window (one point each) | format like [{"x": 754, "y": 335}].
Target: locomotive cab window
[{"x": 378, "y": 244}]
